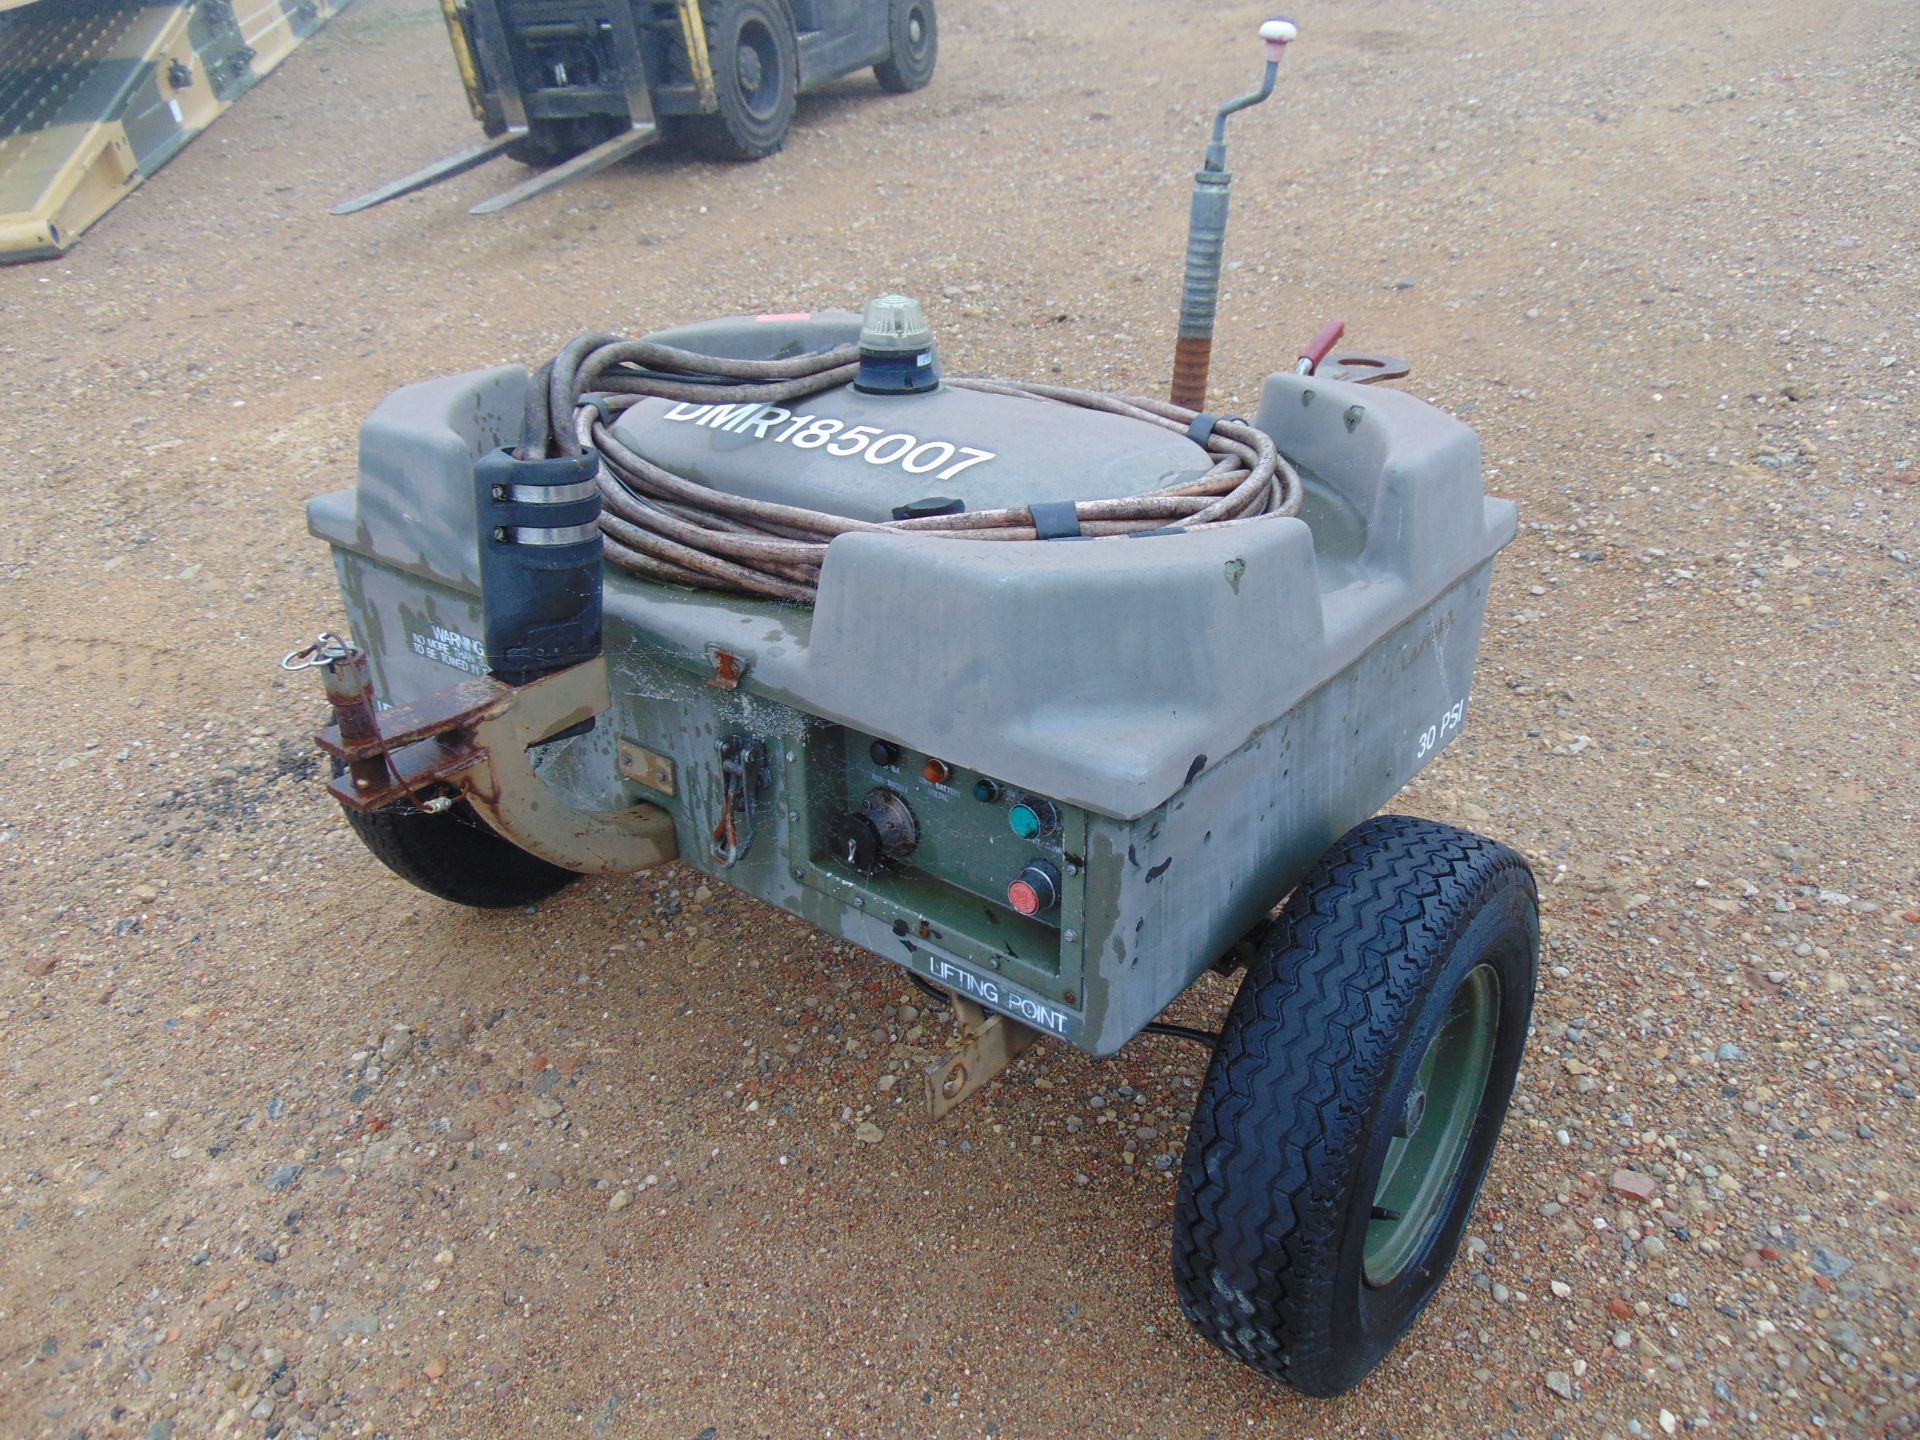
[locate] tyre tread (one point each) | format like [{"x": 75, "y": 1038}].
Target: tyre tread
[
  {"x": 720, "y": 136},
  {"x": 893, "y": 73},
  {"x": 1313, "y": 1025}
]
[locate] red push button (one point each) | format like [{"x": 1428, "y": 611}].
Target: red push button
[{"x": 1037, "y": 889}]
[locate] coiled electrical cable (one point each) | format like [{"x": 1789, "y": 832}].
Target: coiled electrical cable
[{"x": 668, "y": 527}]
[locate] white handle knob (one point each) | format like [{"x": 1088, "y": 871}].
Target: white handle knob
[{"x": 1278, "y": 34}]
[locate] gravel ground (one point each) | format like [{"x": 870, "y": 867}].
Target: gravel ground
[{"x": 293, "y": 1150}]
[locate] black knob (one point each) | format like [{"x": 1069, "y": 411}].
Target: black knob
[
  {"x": 882, "y": 829},
  {"x": 856, "y": 843}
]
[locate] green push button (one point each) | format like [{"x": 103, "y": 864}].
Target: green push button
[{"x": 1033, "y": 817}]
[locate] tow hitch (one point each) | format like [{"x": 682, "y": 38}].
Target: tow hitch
[{"x": 470, "y": 741}]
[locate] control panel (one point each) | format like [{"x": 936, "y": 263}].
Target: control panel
[{"x": 973, "y": 867}]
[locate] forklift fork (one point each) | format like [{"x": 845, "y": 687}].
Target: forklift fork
[
  {"x": 606, "y": 153},
  {"x": 495, "y": 61},
  {"x": 444, "y": 169}
]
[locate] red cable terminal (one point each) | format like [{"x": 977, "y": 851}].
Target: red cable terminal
[{"x": 1322, "y": 346}]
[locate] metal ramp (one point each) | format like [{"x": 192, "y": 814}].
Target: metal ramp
[{"x": 96, "y": 95}]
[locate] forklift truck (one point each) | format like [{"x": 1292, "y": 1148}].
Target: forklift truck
[{"x": 571, "y": 86}]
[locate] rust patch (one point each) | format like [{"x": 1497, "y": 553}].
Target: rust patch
[{"x": 728, "y": 669}]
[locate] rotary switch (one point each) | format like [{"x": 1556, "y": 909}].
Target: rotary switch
[{"x": 882, "y": 829}]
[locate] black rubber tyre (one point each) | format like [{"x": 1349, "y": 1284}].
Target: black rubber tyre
[
  {"x": 1313, "y": 1079},
  {"x": 756, "y": 78},
  {"x": 457, "y": 856},
  {"x": 914, "y": 31}
]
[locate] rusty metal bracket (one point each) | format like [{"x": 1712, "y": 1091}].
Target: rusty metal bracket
[
  {"x": 647, "y": 767},
  {"x": 511, "y": 796},
  {"x": 995, "y": 1042},
  {"x": 474, "y": 738}
]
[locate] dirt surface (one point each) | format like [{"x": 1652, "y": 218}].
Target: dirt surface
[{"x": 291, "y": 1149}]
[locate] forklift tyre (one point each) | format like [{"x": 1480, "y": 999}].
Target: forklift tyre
[
  {"x": 457, "y": 856},
  {"x": 1352, "y": 1105},
  {"x": 914, "y": 31},
  {"x": 756, "y": 77}
]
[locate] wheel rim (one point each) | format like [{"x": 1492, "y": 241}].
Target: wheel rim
[
  {"x": 757, "y": 64},
  {"x": 1431, "y": 1134},
  {"x": 916, "y": 31}
]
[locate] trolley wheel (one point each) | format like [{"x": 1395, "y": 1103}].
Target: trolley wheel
[
  {"x": 457, "y": 856},
  {"x": 756, "y": 79},
  {"x": 914, "y": 31},
  {"x": 1353, "y": 1102}
]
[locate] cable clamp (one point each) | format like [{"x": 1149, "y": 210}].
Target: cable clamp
[
  {"x": 546, "y": 494},
  {"x": 1055, "y": 519},
  {"x": 603, "y": 403},
  {"x": 546, "y": 534},
  {"x": 1201, "y": 430}
]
